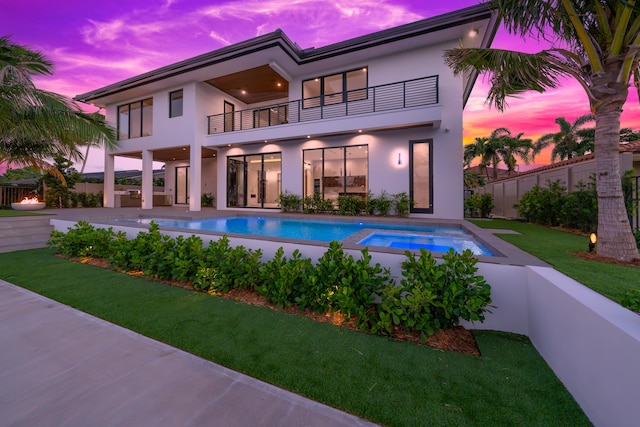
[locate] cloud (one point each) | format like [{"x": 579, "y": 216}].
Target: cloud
[{"x": 214, "y": 35}]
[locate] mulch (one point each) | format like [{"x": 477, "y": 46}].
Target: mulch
[
  {"x": 457, "y": 339},
  {"x": 593, "y": 256}
]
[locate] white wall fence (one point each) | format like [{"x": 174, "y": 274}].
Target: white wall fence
[
  {"x": 507, "y": 192},
  {"x": 591, "y": 343}
]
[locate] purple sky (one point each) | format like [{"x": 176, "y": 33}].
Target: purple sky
[{"x": 93, "y": 44}]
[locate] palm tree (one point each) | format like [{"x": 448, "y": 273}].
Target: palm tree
[
  {"x": 488, "y": 149},
  {"x": 37, "y": 125},
  {"x": 598, "y": 47},
  {"x": 513, "y": 146},
  {"x": 571, "y": 140}
]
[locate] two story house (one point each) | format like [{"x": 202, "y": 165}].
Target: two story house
[{"x": 381, "y": 112}]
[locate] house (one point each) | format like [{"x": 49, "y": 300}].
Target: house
[{"x": 381, "y": 112}]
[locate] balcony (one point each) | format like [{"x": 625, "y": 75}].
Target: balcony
[{"x": 394, "y": 96}]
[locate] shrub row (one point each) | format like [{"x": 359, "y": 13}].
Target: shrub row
[
  {"x": 554, "y": 206},
  {"x": 430, "y": 296},
  {"x": 479, "y": 205},
  {"x": 577, "y": 209},
  {"x": 399, "y": 203}
]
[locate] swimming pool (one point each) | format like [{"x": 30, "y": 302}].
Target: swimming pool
[{"x": 434, "y": 238}]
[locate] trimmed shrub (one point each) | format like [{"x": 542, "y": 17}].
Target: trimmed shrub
[
  {"x": 479, "y": 205},
  {"x": 542, "y": 205}
]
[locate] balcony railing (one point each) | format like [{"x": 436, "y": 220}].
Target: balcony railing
[{"x": 393, "y": 96}]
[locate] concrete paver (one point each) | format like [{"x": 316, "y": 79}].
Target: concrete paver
[{"x": 59, "y": 366}]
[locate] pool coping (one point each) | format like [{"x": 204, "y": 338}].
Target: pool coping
[{"x": 504, "y": 253}]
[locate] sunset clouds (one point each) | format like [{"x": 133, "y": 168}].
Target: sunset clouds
[{"x": 93, "y": 44}]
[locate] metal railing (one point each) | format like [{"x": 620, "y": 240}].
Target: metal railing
[{"x": 392, "y": 96}]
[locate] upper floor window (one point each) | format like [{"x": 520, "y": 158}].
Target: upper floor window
[
  {"x": 175, "y": 103},
  {"x": 135, "y": 119},
  {"x": 335, "y": 88}
]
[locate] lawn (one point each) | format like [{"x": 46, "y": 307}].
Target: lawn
[
  {"x": 555, "y": 247},
  {"x": 386, "y": 381},
  {"x": 6, "y": 213}
]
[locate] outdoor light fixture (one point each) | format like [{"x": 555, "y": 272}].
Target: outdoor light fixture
[
  {"x": 399, "y": 158},
  {"x": 474, "y": 32},
  {"x": 593, "y": 239}
]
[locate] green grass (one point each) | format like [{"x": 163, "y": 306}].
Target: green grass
[
  {"x": 6, "y": 213},
  {"x": 389, "y": 382},
  {"x": 555, "y": 247}
]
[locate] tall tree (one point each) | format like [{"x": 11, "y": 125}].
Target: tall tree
[
  {"x": 38, "y": 125},
  {"x": 488, "y": 150},
  {"x": 595, "y": 42},
  {"x": 516, "y": 146},
  {"x": 571, "y": 140}
]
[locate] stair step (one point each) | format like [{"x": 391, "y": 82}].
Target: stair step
[{"x": 24, "y": 233}]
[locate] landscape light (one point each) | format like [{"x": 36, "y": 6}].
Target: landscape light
[{"x": 593, "y": 239}]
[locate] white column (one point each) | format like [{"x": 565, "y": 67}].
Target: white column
[
  {"x": 195, "y": 177},
  {"x": 108, "y": 198},
  {"x": 147, "y": 179}
]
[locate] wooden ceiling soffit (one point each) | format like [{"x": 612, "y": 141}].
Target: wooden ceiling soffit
[{"x": 260, "y": 84}]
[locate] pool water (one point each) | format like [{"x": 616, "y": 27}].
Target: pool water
[
  {"x": 439, "y": 238},
  {"x": 434, "y": 243}
]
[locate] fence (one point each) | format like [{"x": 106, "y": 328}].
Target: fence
[{"x": 507, "y": 192}]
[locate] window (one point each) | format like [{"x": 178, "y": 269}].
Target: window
[
  {"x": 229, "y": 116},
  {"x": 421, "y": 176},
  {"x": 254, "y": 181},
  {"x": 175, "y": 103},
  {"x": 335, "y": 88},
  {"x": 270, "y": 116},
  {"x": 334, "y": 172},
  {"x": 135, "y": 119}
]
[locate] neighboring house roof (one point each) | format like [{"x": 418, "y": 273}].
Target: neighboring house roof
[
  {"x": 628, "y": 147},
  {"x": 303, "y": 56},
  {"x": 502, "y": 173}
]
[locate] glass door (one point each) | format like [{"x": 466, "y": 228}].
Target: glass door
[
  {"x": 421, "y": 179},
  {"x": 236, "y": 179},
  {"x": 182, "y": 185}
]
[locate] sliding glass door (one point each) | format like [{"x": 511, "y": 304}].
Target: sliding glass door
[{"x": 254, "y": 181}]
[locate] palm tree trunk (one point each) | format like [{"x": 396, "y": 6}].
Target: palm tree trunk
[{"x": 615, "y": 239}]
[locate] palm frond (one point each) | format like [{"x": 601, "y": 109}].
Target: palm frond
[{"x": 513, "y": 73}]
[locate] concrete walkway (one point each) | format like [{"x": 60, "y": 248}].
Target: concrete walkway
[{"x": 59, "y": 366}]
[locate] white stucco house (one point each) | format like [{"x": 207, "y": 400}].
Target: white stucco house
[{"x": 381, "y": 112}]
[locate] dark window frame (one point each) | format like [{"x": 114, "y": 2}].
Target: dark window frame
[
  {"x": 345, "y": 94},
  {"x": 233, "y": 116},
  {"x": 243, "y": 158},
  {"x": 141, "y": 105},
  {"x": 429, "y": 141},
  {"x": 173, "y": 114},
  {"x": 344, "y": 167}
]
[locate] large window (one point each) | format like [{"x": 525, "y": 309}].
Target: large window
[
  {"x": 335, "y": 88},
  {"x": 333, "y": 172},
  {"x": 421, "y": 176},
  {"x": 254, "y": 181},
  {"x": 175, "y": 103},
  {"x": 135, "y": 119}
]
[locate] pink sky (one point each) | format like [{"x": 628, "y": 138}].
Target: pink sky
[{"x": 93, "y": 44}]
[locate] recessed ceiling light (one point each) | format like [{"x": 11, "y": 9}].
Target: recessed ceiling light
[
  {"x": 244, "y": 92},
  {"x": 308, "y": 136},
  {"x": 359, "y": 130},
  {"x": 474, "y": 32}
]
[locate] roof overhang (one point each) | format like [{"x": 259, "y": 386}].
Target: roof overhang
[{"x": 285, "y": 58}]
